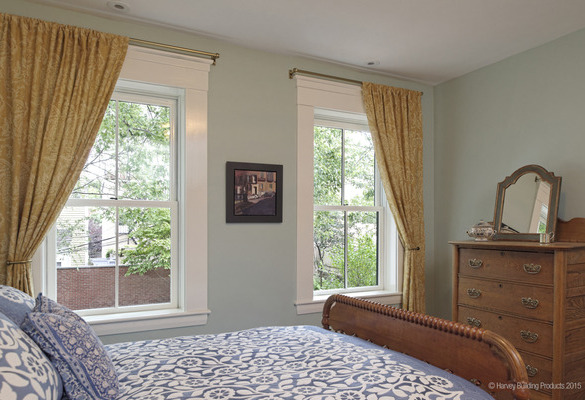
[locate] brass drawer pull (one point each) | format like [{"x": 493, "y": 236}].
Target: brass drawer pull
[
  {"x": 475, "y": 263},
  {"x": 532, "y": 268},
  {"x": 529, "y": 337},
  {"x": 531, "y": 371},
  {"x": 473, "y": 293},
  {"x": 474, "y": 322},
  {"x": 530, "y": 303}
]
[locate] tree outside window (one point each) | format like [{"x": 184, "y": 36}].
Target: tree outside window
[
  {"x": 346, "y": 217},
  {"x": 119, "y": 215}
]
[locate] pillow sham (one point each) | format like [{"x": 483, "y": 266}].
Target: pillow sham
[
  {"x": 43, "y": 304},
  {"x": 14, "y": 303},
  {"x": 76, "y": 352},
  {"x": 26, "y": 373}
]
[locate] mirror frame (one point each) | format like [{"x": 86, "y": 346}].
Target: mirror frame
[{"x": 555, "y": 192}]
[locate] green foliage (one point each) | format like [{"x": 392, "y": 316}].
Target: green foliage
[
  {"x": 330, "y": 259},
  {"x": 344, "y": 159},
  {"x": 362, "y": 261},
  {"x": 152, "y": 232},
  {"x": 144, "y": 155},
  {"x": 327, "y": 166},
  {"x": 328, "y": 246},
  {"x": 130, "y": 160}
]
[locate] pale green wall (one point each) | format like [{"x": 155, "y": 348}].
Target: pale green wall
[
  {"x": 252, "y": 117},
  {"x": 527, "y": 109}
]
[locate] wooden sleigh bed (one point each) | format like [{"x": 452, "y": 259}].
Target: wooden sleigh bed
[
  {"x": 480, "y": 356},
  {"x": 365, "y": 351}
]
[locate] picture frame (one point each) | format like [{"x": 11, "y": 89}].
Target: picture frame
[{"x": 253, "y": 192}]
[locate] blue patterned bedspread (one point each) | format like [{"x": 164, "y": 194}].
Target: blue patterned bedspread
[{"x": 297, "y": 363}]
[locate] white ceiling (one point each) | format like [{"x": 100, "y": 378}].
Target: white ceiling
[{"x": 429, "y": 41}]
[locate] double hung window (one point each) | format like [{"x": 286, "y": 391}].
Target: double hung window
[
  {"x": 116, "y": 240},
  {"x": 347, "y": 240},
  {"x": 347, "y": 219},
  {"x": 117, "y": 253}
]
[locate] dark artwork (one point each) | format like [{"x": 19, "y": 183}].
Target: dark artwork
[{"x": 253, "y": 192}]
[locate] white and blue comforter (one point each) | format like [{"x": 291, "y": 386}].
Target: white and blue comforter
[{"x": 297, "y": 363}]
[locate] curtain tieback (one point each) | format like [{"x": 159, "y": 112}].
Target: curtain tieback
[
  {"x": 413, "y": 248},
  {"x": 18, "y": 262}
]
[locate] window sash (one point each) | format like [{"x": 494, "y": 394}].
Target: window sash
[
  {"x": 127, "y": 91},
  {"x": 351, "y": 123},
  {"x": 381, "y": 250},
  {"x": 51, "y": 250},
  {"x": 354, "y": 122},
  {"x": 378, "y": 209}
]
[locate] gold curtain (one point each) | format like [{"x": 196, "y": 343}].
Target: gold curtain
[
  {"x": 395, "y": 120},
  {"x": 55, "y": 84}
]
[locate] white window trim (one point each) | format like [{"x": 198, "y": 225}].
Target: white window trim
[
  {"x": 191, "y": 75},
  {"x": 317, "y": 93}
]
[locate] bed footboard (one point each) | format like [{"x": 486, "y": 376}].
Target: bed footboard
[{"x": 478, "y": 355}]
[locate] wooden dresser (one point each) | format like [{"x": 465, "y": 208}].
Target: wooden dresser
[{"x": 534, "y": 295}]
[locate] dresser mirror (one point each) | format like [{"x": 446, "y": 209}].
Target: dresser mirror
[{"x": 527, "y": 204}]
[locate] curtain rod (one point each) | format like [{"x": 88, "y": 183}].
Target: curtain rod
[
  {"x": 296, "y": 71},
  {"x": 176, "y": 49}
]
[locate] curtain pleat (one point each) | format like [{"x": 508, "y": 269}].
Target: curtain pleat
[
  {"x": 395, "y": 120},
  {"x": 55, "y": 84}
]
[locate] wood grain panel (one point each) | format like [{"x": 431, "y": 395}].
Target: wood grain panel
[
  {"x": 528, "y": 301},
  {"x": 511, "y": 265},
  {"x": 575, "y": 308},
  {"x": 513, "y": 328},
  {"x": 539, "y": 371},
  {"x": 574, "y": 373},
  {"x": 576, "y": 276},
  {"x": 574, "y": 340}
]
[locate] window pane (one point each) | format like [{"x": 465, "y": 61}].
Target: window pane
[
  {"x": 144, "y": 242},
  {"x": 87, "y": 262},
  {"x": 327, "y": 166},
  {"x": 359, "y": 169},
  {"x": 328, "y": 247},
  {"x": 362, "y": 253},
  {"x": 85, "y": 268},
  {"x": 98, "y": 178},
  {"x": 144, "y": 152}
]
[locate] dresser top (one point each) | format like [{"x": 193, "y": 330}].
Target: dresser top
[{"x": 518, "y": 245}]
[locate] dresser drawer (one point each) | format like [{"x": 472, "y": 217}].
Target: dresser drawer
[
  {"x": 528, "y": 301},
  {"x": 532, "y": 336},
  {"x": 529, "y": 267},
  {"x": 539, "y": 371}
]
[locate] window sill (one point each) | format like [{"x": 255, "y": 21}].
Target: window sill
[
  {"x": 316, "y": 305},
  {"x": 145, "y": 321}
]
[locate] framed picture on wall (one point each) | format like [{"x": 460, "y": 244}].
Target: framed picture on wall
[{"x": 253, "y": 192}]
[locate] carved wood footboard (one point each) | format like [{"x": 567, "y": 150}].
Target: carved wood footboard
[{"x": 478, "y": 355}]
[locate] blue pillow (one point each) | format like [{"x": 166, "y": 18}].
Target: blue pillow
[
  {"x": 43, "y": 304},
  {"x": 76, "y": 352},
  {"x": 15, "y": 304},
  {"x": 25, "y": 371}
]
